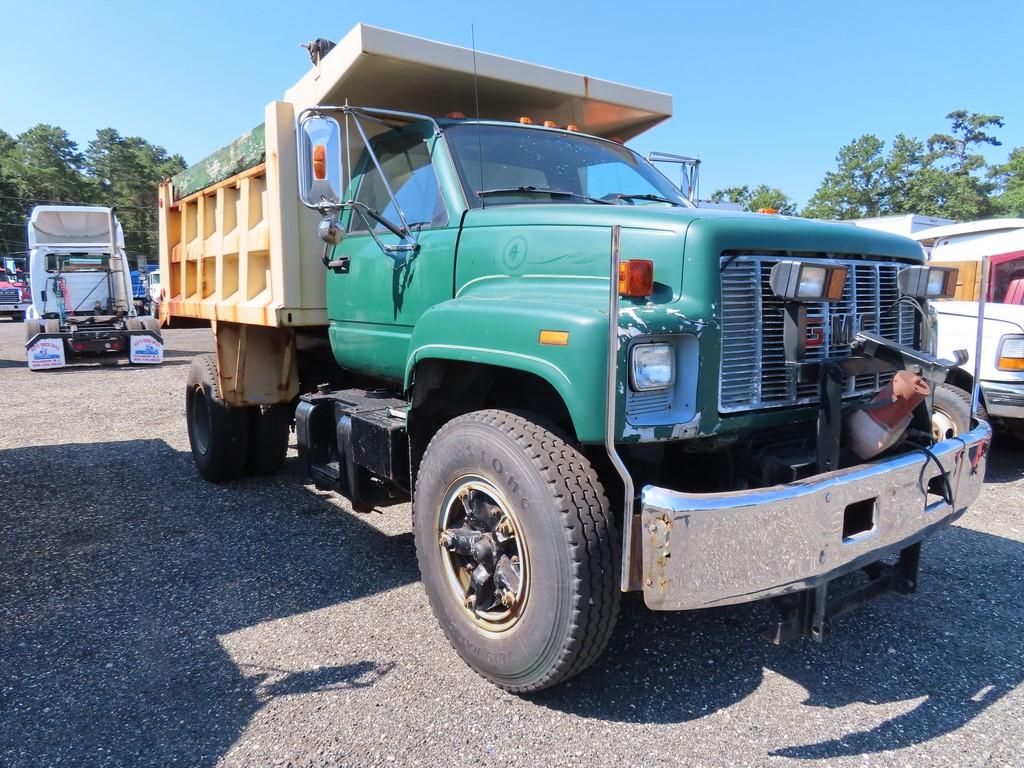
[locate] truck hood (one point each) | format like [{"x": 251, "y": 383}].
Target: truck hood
[
  {"x": 754, "y": 230},
  {"x": 1011, "y": 314}
]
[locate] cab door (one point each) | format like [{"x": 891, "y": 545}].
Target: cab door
[{"x": 375, "y": 304}]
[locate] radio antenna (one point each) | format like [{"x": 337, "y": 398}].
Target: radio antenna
[{"x": 476, "y": 98}]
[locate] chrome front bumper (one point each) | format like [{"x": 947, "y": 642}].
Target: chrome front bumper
[{"x": 703, "y": 550}]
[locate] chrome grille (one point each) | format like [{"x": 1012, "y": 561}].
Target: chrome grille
[
  {"x": 753, "y": 370},
  {"x": 9, "y": 295}
]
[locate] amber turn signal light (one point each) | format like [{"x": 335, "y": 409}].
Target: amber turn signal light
[
  {"x": 636, "y": 278},
  {"x": 320, "y": 162},
  {"x": 554, "y": 338}
]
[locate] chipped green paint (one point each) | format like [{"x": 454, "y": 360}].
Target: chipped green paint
[{"x": 247, "y": 151}]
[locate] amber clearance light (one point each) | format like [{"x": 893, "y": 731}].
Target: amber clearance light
[
  {"x": 320, "y": 162},
  {"x": 636, "y": 278}
]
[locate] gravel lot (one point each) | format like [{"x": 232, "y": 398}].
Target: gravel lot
[{"x": 149, "y": 618}]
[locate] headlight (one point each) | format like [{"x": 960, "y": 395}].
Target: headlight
[
  {"x": 652, "y": 366},
  {"x": 1011, "y": 353},
  {"x": 799, "y": 281},
  {"x": 928, "y": 282}
]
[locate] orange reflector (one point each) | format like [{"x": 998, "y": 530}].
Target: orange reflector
[
  {"x": 767, "y": 210},
  {"x": 572, "y": 127},
  {"x": 550, "y": 124},
  {"x": 525, "y": 121},
  {"x": 320, "y": 162},
  {"x": 1011, "y": 364},
  {"x": 555, "y": 338},
  {"x": 636, "y": 277},
  {"x": 456, "y": 115},
  {"x": 836, "y": 282}
]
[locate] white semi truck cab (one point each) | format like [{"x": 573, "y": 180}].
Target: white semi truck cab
[{"x": 81, "y": 291}]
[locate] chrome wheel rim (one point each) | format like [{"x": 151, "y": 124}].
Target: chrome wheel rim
[{"x": 483, "y": 553}]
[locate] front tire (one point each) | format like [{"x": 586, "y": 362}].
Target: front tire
[
  {"x": 517, "y": 549},
  {"x": 217, "y": 432},
  {"x": 951, "y": 412}
]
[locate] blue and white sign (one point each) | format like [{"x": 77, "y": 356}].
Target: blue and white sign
[
  {"x": 145, "y": 349},
  {"x": 46, "y": 353}
]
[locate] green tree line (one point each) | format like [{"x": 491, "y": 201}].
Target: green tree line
[
  {"x": 945, "y": 176},
  {"x": 43, "y": 165}
]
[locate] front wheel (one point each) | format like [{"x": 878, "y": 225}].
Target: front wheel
[
  {"x": 951, "y": 412},
  {"x": 517, "y": 549}
]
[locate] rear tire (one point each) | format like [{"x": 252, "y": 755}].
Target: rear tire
[
  {"x": 269, "y": 428},
  {"x": 541, "y": 508},
  {"x": 217, "y": 432}
]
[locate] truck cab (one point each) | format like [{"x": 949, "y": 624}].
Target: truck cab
[
  {"x": 14, "y": 292},
  {"x": 81, "y": 291}
]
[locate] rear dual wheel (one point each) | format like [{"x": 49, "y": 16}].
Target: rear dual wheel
[{"x": 229, "y": 442}]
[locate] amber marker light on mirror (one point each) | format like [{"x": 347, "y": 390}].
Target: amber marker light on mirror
[
  {"x": 636, "y": 278},
  {"x": 320, "y": 162},
  {"x": 555, "y": 338}
]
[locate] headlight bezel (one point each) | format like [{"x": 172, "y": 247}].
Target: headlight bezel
[{"x": 640, "y": 382}]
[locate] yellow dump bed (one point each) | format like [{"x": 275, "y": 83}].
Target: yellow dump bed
[{"x": 236, "y": 244}]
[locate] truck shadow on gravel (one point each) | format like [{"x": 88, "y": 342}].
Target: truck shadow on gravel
[
  {"x": 120, "y": 575},
  {"x": 942, "y": 655}
]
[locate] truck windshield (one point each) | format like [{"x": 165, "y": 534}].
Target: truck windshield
[
  {"x": 77, "y": 262},
  {"x": 508, "y": 164}
]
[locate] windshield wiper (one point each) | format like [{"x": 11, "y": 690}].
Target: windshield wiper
[
  {"x": 649, "y": 196},
  {"x": 531, "y": 190}
]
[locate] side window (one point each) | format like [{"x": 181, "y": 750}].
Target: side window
[{"x": 406, "y": 163}]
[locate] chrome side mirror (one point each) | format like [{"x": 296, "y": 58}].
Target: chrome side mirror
[{"x": 320, "y": 166}]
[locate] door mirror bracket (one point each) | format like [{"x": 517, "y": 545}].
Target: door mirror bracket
[{"x": 321, "y": 172}]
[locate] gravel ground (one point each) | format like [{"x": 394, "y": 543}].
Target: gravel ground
[{"x": 150, "y": 618}]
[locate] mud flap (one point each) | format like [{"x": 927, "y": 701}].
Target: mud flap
[
  {"x": 145, "y": 348},
  {"x": 45, "y": 352}
]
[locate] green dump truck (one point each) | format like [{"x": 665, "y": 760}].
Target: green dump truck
[{"x": 413, "y": 262}]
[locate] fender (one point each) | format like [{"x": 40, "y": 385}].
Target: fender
[{"x": 499, "y": 323}]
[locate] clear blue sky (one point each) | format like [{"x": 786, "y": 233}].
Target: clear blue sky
[{"x": 763, "y": 92}]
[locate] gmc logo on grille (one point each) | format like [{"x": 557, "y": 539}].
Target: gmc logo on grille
[{"x": 843, "y": 329}]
